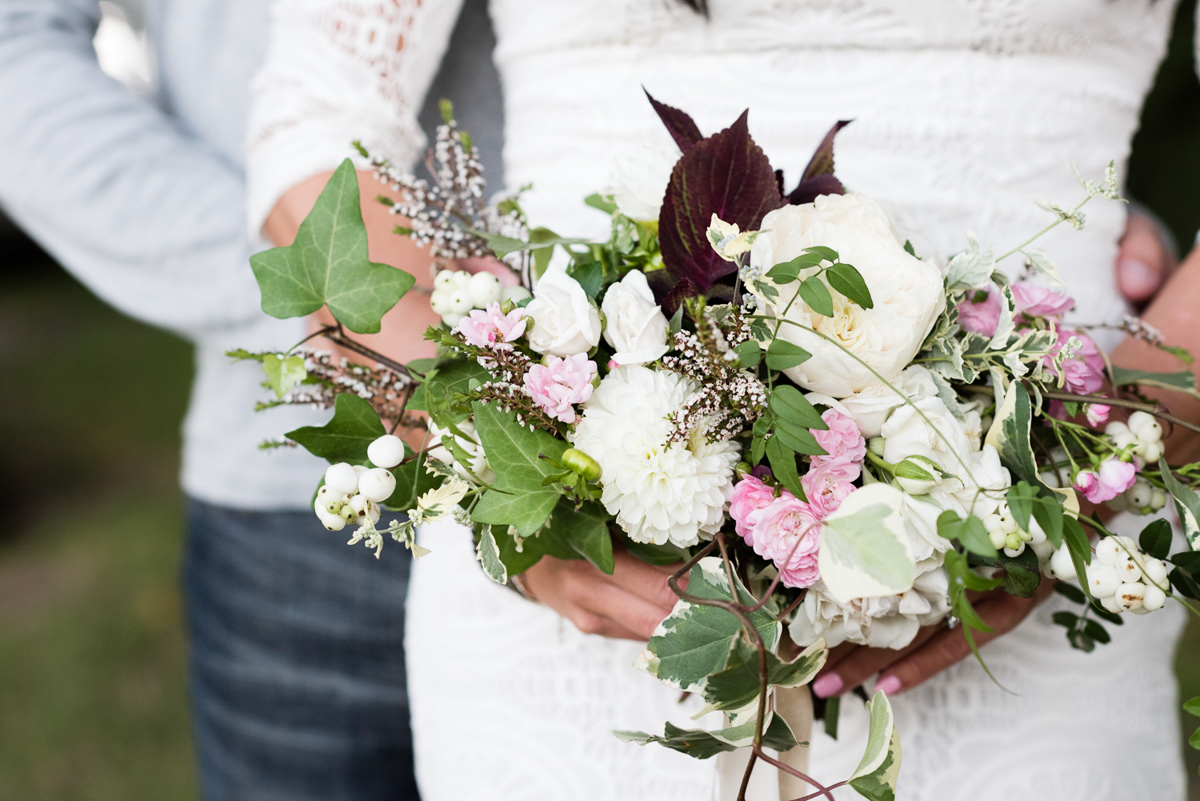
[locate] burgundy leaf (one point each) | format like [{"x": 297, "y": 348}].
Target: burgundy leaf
[
  {"x": 661, "y": 283},
  {"x": 808, "y": 190},
  {"x": 682, "y": 290},
  {"x": 820, "y": 165},
  {"x": 679, "y": 124},
  {"x": 726, "y": 174}
]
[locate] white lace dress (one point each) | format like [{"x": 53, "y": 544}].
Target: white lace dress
[{"x": 965, "y": 111}]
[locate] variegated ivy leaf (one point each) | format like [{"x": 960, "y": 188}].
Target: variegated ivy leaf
[
  {"x": 864, "y": 548},
  {"x": 1004, "y": 325},
  {"x": 1187, "y": 503},
  {"x": 972, "y": 268},
  {"x": 702, "y": 744},
  {"x": 695, "y": 641},
  {"x": 487, "y": 552},
  {"x": 1009, "y": 433},
  {"x": 875, "y": 776},
  {"x": 1045, "y": 267},
  {"x": 737, "y": 686},
  {"x": 283, "y": 372}
]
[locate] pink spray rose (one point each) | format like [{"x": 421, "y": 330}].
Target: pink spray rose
[
  {"x": 488, "y": 327},
  {"x": 1113, "y": 478},
  {"x": 750, "y": 496},
  {"x": 842, "y": 441},
  {"x": 828, "y": 485},
  {"x": 1083, "y": 373},
  {"x": 1034, "y": 300},
  {"x": 980, "y": 315},
  {"x": 560, "y": 384},
  {"x": 1097, "y": 414},
  {"x": 789, "y": 534}
]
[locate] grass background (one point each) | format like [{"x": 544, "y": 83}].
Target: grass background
[{"x": 92, "y": 671}]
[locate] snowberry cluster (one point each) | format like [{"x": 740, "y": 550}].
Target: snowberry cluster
[
  {"x": 1142, "y": 435},
  {"x": 1006, "y": 534},
  {"x": 352, "y": 493},
  {"x": 1121, "y": 576},
  {"x": 1143, "y": 498},
  {"x": 457, "y": 292}
]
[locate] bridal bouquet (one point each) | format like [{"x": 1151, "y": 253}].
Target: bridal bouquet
[{"x": 839, "y": 439}]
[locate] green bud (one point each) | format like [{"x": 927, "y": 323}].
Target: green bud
[
  {"x": 743, "y": 469},
  {"x": 579, "y": 462},
  {"x": 876, "y": 446},
  {"x": 1012, "y": 542}
]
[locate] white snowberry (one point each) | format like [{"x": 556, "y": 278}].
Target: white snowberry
[
  {"x": 1061, "y": 566},
  {"x": 1129, "y": 596},
  {"x": 451, "y": 319},
  {"x": 460, "y": 301},
  {"x": 1153, "y": 599},
  {"x": 1120, "y": 435},
  {"x": 484, "y": 288},
  {"x": 515, "y": 293},
  {"x": 1102, "y": 580},
  {"x": 1156, "y": 572},
  {"x": 341, "y": 478},
  {"x": 331, "y": 521},
  {"x": 439, "y": 301},
  {"x": 446, "y": 280},
  {"x": 377, "y": 485},
  {"x": 364, "y": 510},
  {"x": 1145, "y": 427},
  {"x": 387, "y": 451},
  {"x": 1107, "y": 551},
  {"x": 1110, "y": 603},
  {"x": 1129, "y": 568},
  {"x": 1140, "y": 494},
  {"x": 1149, "y": 451}
]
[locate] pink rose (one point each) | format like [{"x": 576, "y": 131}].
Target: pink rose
[
  {"x": 842, "y": 441},
  {"x": 827, "y": 485},
  {"x": 1034, "y": 300},
  {"x": 750, "y": 496},
  {"x": 485, "y": 328},
  {"x": 788, "y": 533},
  {"x": 1096, "y": 414},
  {"x": 980, "y": 315},
  {"x": 560, "y": 384},
  {"x": 1113, "y": 478},
  {"x": 1083, "y": 373}
]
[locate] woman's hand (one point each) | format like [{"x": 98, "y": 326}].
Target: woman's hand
[
  {"x": 934, "y": 649},
  {"x": 1144, "y": 261},
  {"x": 628, "y": 604}
]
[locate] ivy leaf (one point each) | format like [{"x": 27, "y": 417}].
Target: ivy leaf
[
  {"x": 737, "y": 685},
  {"x": 702, "y": 744},
  {"x": 487, "y": 552},
  {"x": 680, "y": 125},
  {"x": 519, "y": 498},
  {"x": 816, "y": 295},
  {"x": 695, "y": 641},
  {"x": 726, "y": 174},
  {"x": 849, "y": 281},
  {"x": 875, "y": 776},
  {"x": 1187, "y": 504},
  {"x": 355, "y": 425},
  {"x": 863, "y": 552},
  {"x": 327, "y": 264},
  {"x": 585, "y": 532},
  {"x": 446, "y": 380},
  {"x": 283, "y": 373},
  {"x": 818, "y": 178},
  {"x": 1009, "y": 434},
  {"x": 518, "y": 559}
]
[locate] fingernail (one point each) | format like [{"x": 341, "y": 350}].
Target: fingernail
[
  {"x": 888, "y": 685},
  {"x": 827, "y": 685},
  {"x": 1137, "y": 278}
]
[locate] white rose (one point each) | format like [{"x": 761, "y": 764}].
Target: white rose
[
  {"x": 564, "y": 320},
  {"x": 871, "y": 407},
  {"x": 470, "y": 445},
  {"x": 634, "y": 324},
  {"x": 639, "y": 182},
  {"x": 927, "y": 428},
  {"x": 907, "y": 293}
]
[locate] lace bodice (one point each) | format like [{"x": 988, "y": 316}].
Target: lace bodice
[{"x": 965, "y": 112}]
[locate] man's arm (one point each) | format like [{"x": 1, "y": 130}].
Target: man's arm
[{"x": 148, "y": 217}]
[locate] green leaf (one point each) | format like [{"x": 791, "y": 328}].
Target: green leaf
[
  {"x": 814, "y": 293},
  {"x": 487, "y": 552},
  {"x": 783, "y": 354},
  {"x": 790, "y": 405},
  {"x": 451, "y": 377},
  {"x": 833, "y": 708},
  {"x": 653, "y": 554},
  {"x": 327, "y": 264},
  {"x": 1093, "y": 630},
  {"x": 1070, "y": 591},
  {"x": 783, "y": 465},
  {"x": 1048, "y": 513},
  {"x": 1009, "y": 434},
  {"x": 1081, "y": 552},
  {"x": 797, "y": 439},
  {"x": 702, "y": 744},
  {"x": 1194, "y": 740},
  {"x": 875, "y": 777},
  {"x": 1188, "y": 560},
  {"x": 589, "y": 276},
  {"x": 1192, "y": 707},
  {"x": 1184, "y": 583},
  {"x": 1020, "y": 502},
  {"x": 788, "y": 271},
  {"x": 849, "y": 281},
  {"x": 970, "y": 532},
  {"x": 345, "y": 438},
  {"x": 1184, "y": 379},
  {"x": 283, "y": 374},
  {"x": 519, "y": 498},
  {"x": 601, "y": 202},
  {"x": 531, "y": 550},
  {"x": 737, "y": 685},
  {"x": 1156, "y": 539},
  {"x": 822, "y": 252},
  {"x": 863, "y": 552},
  {"x": 694, "y": 641},
  {"x": 585, "y": 531},
  {"x": 412, "y": 481},
  {"x": 1065, "y": 619},
  {"x": 963, "y": 578},
  {"x": 1186, "y": 503},
  {"x": 749, "y": 354},
  {"x": 1021, "y": 574}
]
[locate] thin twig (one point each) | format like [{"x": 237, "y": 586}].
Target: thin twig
[
  {"x": 335, "y": 334},
  {"x": 1149, "y": 408}
]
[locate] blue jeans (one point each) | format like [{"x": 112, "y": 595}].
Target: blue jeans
[{"x": 297, "y": 660}]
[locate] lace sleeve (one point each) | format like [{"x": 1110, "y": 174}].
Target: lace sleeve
[{"x": 337, "y": 71}]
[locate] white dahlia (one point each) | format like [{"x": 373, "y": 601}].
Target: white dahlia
[{"x": 658, "y": 491}]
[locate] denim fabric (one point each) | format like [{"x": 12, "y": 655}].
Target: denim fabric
[{"x": 297, "y": 660}]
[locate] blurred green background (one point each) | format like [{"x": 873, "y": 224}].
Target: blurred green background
[{"x": 92, "y": 671}]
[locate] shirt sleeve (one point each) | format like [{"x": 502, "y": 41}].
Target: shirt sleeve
[
  {"x": 150, "y": 218},
  {"x": 339, "y": 71}
]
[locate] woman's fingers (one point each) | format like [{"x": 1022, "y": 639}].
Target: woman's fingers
[
  {"x": 1143, "y": 261},
  {"x": 862, "y": 663},
  {"x": 646, "y": 581}
]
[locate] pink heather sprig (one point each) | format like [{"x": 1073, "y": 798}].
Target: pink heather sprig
[
  {"x": 557, "y": 386},
  {"x": 1112, "y": 479}
]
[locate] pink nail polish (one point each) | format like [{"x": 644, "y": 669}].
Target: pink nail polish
[
  {"x": 888, "y": 685},
  {"x": 827, "y": 685}
]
